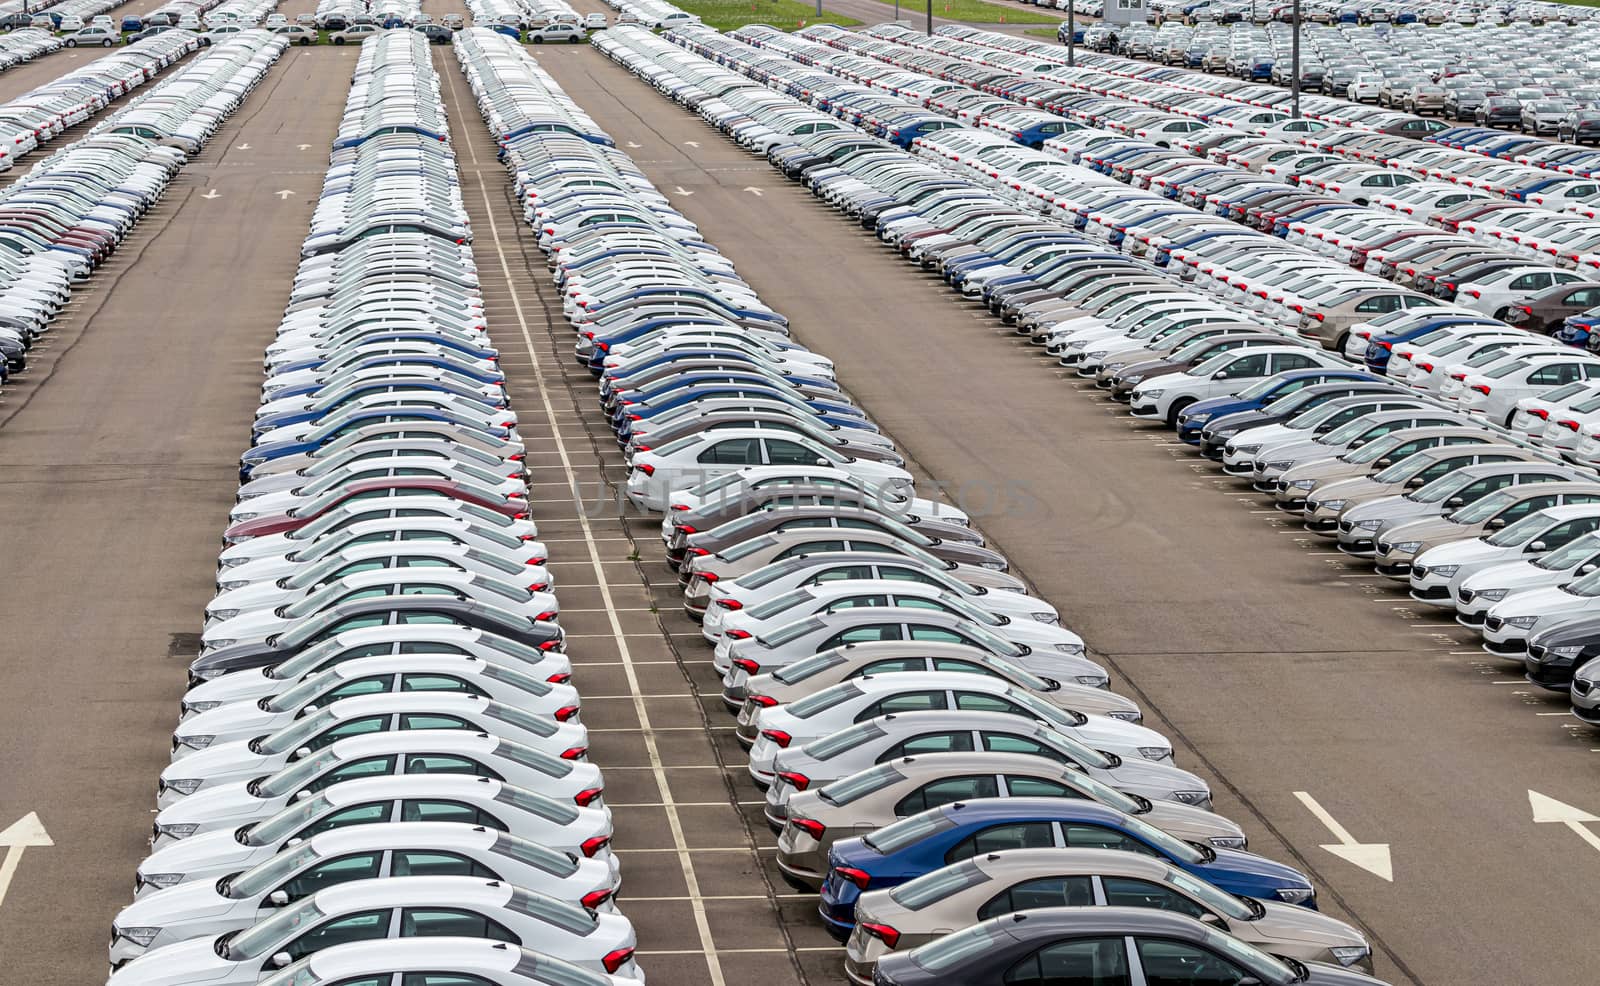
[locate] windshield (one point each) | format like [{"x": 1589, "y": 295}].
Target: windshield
[
  {"x": 1250, "y": 957},
  {"x": 288, "y": 821},
  {"x": 1179, "y": 850},
  {"x": 803, "y": 669},
  {"x": 261, "y": 879},
  {"x": 1405, "y": 469},
  {"x": 1217, "y": 899},
  {"x": 1346, "y": 432},
  {"x": 1481, "y": 510},
  {"x": 262, "y": 938},
  {"x": 298, "y": 695},
  {"x": 297, "y": 733},
  {"x": 1313, "y": 417},
  {"x": 858, "y": 785},
  {"x": 745, "y": 548},
  {"x": 908, "y": 831},
  {"x": 1375, "y": 449},
  {"x": 773, "y": 607},
  {"x": 930, "y": 888},
  {"x": 296, "y": 775},
  {"x": 1521, "y": 532},
  {"x": 1571, "y": 556},
  {"x": 1255, "y": 390},
  {"x": 1072, "y": 748},
  {"x": 1442, "y": 488}
]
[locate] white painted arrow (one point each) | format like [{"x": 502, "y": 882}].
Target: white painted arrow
[
  {"x": 211, "y": 194},
  {"x": 24, "y": 832},
  {"x": 1370, "y": 856},
  {"x": 304, "y": 147},
  {"x": 283, "y": 194},
  {"x": 632, "y": 144},
  {"x": 692, "y": 143},
  {"x": 753, "y": 190},
  {"x": 244, "y": 147},
  {"x": 680, "y": 190},
  {"x": 1547, "y": 809}
]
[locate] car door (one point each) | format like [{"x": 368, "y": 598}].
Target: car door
[
  {"x": 1074, "y": 962},
  {"x": 326, "y": 873},
  {"x": 1165, "y": 962},
  {"x": 370, "y": 925},
  {"x": 947, "y": 790},
  {"x": 452, "y": 922},
  {"x": 1040, "y": 891},
  {"x": 436, "y": 862},
  {"x": 925, "y": 700},
  {"x": 866, "y": 633},
  {"x": 1001, "y": 837}
]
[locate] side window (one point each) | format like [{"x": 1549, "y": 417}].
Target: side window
[
  {"x": 445, "y": 922},
  {"x": 370, "y": 767},
  {"x": 862, "y": 635},
  {"x": 1560, "y": 534},
  {"x": 843, "y": 573},
  {"x": 443, "y": 763},
  {"x": 355, "y": 815},
  {"x": 937, "y": 635},
  {"x": 897, "y": 573},
  {"x": 786, "y": 453},
  {"x": 957, "y": 741},
  {"x": 1248, "y": 366},
  {"x": 431, "y": 862},
  {"x": 1379, "y": 305},
  {"x": 1556, "y": 374},
  {"x": 352, "y": 727},
  {"x": 1085, "y": 961},
  {"x": 360, "y": 866},
  {"x": 947, "y": 790},
  {"x": 446, "y": 811},
  {"x": 1099, "y": 837},
  {"x": 423, "y": 647},
  {"x": 1010, "y": 743},
  {"x": 1128, "y": 892},
  {"x": 1527, "y": 506},
  {"x": 361, "y": 686},
  {"x": 890, "y": 665},
  {"x": 998, "y": 838},
  {"x": 365, "y": 926},
  {"x": 434, "y": 683},
  {"x": 434, "y": 979},
  {"x": 904, "y": 702},
  {"x": 1292, "y": 361},
  {"x": 809, "y": 547},
  {"x": 854, "y": 602},
  {"x": 984, "y": 702},
  {"x": 1172, "y": 963},
  {"x": 1049, "y": 891},
  {"x": 1039, "y": 787},
  {"x": 732, "y": 452},
  {"x": 425, "y": 720},
  {"x": 957, "y": 664}
]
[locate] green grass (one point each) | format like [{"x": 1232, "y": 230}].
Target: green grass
[
  {"x": 977, "y": 11},
  {"x": 786, "y": 15},
  {"x": 1050, "y": 32}
]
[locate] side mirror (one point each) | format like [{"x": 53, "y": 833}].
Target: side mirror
[
  {"x": 823, "y": 462},
  {"x": 1538, "y": 546},
  {"x": 1220, "y": 375},
  {"x": 1585, "y": 569},
  {"x": 1497, "y": 523},
  {"x": 302, "y": 795},
  {"x": 303, "y": 752},
  {"x": 1454, "y": 502},
  {"x": 1416, "y": 482},
  {"x": 281, "y": 959},
  {"x": 1214, "y": 920},
  {"x": 278, "y": 898}
]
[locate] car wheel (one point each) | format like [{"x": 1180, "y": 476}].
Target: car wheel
[
  {"x": 538, "y": 41},
  {"x": 1502, "y": 313},
  {"x": 106, "y": 43},
  {"x": 338, "y": 41},
  {"x": 1177, "y": 408},
  {"x": 1341, "y": 342},
  {"x": 71, "y": 43}
]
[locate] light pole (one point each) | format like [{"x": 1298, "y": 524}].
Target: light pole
[
  {"x": 1072, "y": 32},
  {"x": 1294, "y": 66},
  {"x": 930, "y": 18}
]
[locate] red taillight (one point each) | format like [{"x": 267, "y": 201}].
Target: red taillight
[
  {"x": 1425, "y": 367},
  {"x": 779, "y": 737},
  {"x": 559, "y": 678},
  {"x": 1481, "y": 388},
  {"x": 566, "y": 712},
  {"x": 641, "y": 448},
  {"x": 547, "y": 616},
  {"x": 519, "y": 457},
  {"x": 585, "y": 798},
  {"x": 595, "y": 844},
  {"x": 730, "y": 604},
  {"x": 1383, "y": 345},
  {"x": 574, "y": 753},
  {"x": 1539, "y": 413},
  {"x": 858, "y": 877},
  {"x": 594, "y": 898},
  {"x": 646, "y": 468},
  {"x": 1570, "y": 424},
  {"x": 810, "y": 826},
  {"x": 679, "y": 506},
  {"x": 763, "y": 701},
  {"x": 709, "y": 576},
  {"x": 736, "y": 634},
  {"x": 1525, "y": 309},
  {"x": 1474, "y": 293},
  {"x": 746, "y": 665},
  {"x": 615, "y": 959},
  {"x": 882, "y": 932},
  {"x": 798, "y": 781}
]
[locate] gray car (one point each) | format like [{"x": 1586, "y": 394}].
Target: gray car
[
  {"x": 1360, "y": 525},
  {"x": 1327, "y": 500},
  {"x": 1026, "y": 879},
  {"x": 1398, "y": 545},
  {"x": 872, "y": 798}
]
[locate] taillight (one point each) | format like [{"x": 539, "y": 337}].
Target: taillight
[
  {"x": 779, "y": 737},
  {"x": 810, "y": 826},
  {"x": 559, "y": 678},
  {"x": 584, "y": 799},
  {"x": 746, "y": 665},
  {"x": 679, "y": 506},
  {"x": 889, "y": 936},
  {"x": 1425, "y": 367},
  {"x": 730, "y": 604},
  {"x": 566, "y": 712},
  {"x": 1481, "y": 388},
  {"x": 595, "y": 844},
  {"x": 858, "y": 877},
  {"x": 615, "y": 959},
  {"x": 1541, "y": 414},
  {"x": 798, "y": 781},
  {"x": 574, "y": 753},
  {"x": 736, "y": 634},
  {"x": 764, "y": 701},
  {"x": 646, "y": 468},
  {"x": 1570, "y": 424},
  {"x": 594, "y": 898}
]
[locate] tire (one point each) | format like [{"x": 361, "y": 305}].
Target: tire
[
  {"x": 304, "y": 42},
  {"x": 106, "y": 43},
  {"x": 1177, "y": 408},
  {"x": 71, "y": 43},
  {"x": 538, "y": 41},
  {"x": 573, "y": 40},
  {"x": 1341, "y": 342},
  {"x": 338, "y": 41},
  {"x": 1502, "y": 313}
]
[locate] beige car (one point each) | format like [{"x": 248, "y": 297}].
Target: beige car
[
  {"x": 1330, "y": 325},
  {"x": 1407, "y": 436},
  {"x": 1328, "y": 500},
  {"x": 1399, "y": 545},
  {"x": 1018, "y": 880},
  {"x": 870, "y": 799},
  {"x": 836, "y": 664}
]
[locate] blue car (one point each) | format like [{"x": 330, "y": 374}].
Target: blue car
[
  {"x": 1578, "y": 329},
  {"x": 1381, "y": 347},
  {"x": 930, "y": 840},
  {"x": 313, "y": 440},
  {"x": 624, "y": 429},
  {"x": 1256, "y": 396}
]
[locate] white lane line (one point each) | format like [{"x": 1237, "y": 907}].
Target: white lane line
[{"x": 652, "y": 750}]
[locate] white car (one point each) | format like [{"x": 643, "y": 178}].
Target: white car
[
  {"x": 480, "y": 961},
  {"x": 1474, "y": 594},
  {"x": 1165, "y": 397},
  {"x": 377, "y": 909},
  {"x": 869, "y": 696},
  {"x": 1438, "y": 569},
  {"x": 1494, "y": 294},
  {"x": 1509, "y": 623},
  {"x": 1493, "y": 393},
  {"x": 466, "y": 798},
  {"x": 595, "y": 22},
  {"x": 404, "y": 673},
  {"x": 198, "y": 908},
  {"x": 695, "y": 459}
]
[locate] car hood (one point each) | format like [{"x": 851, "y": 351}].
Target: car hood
[
  {"x": 1249, "y": 874},
  {"x": 1513, "y": 575},
  {"x": 1312, "y": 459},
  {"x": 227, "y": 803},
  {"x": 1358, "y": 487},
  {"x": 1461, "y": 553},
  {"x": 1190, "y": 823},
  {"x": 1391, "y": 510},
  {"x": 194, "y": 961},
  {"x": 224, "y": 759},
  {"x": 179, "y": 905},
  {"x": 200, "y": 856},
  {"x": 240, "y": 686},
  {"x": 1290, "y": 924},
  {"x": 1434, "y": 530},
  {"x": 235, "y": 720}
]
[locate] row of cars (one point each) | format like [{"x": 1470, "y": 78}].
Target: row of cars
[
  {"x": 73, "y": 208},
  {"x": 380, "y": 771},
  {"x": 25, "y": 45},
  {"x": 1441, "y": 455},
  {"x": 938, "y": 751}
]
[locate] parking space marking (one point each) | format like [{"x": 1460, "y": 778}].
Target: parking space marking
[{"x": 641, "y": 709}]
